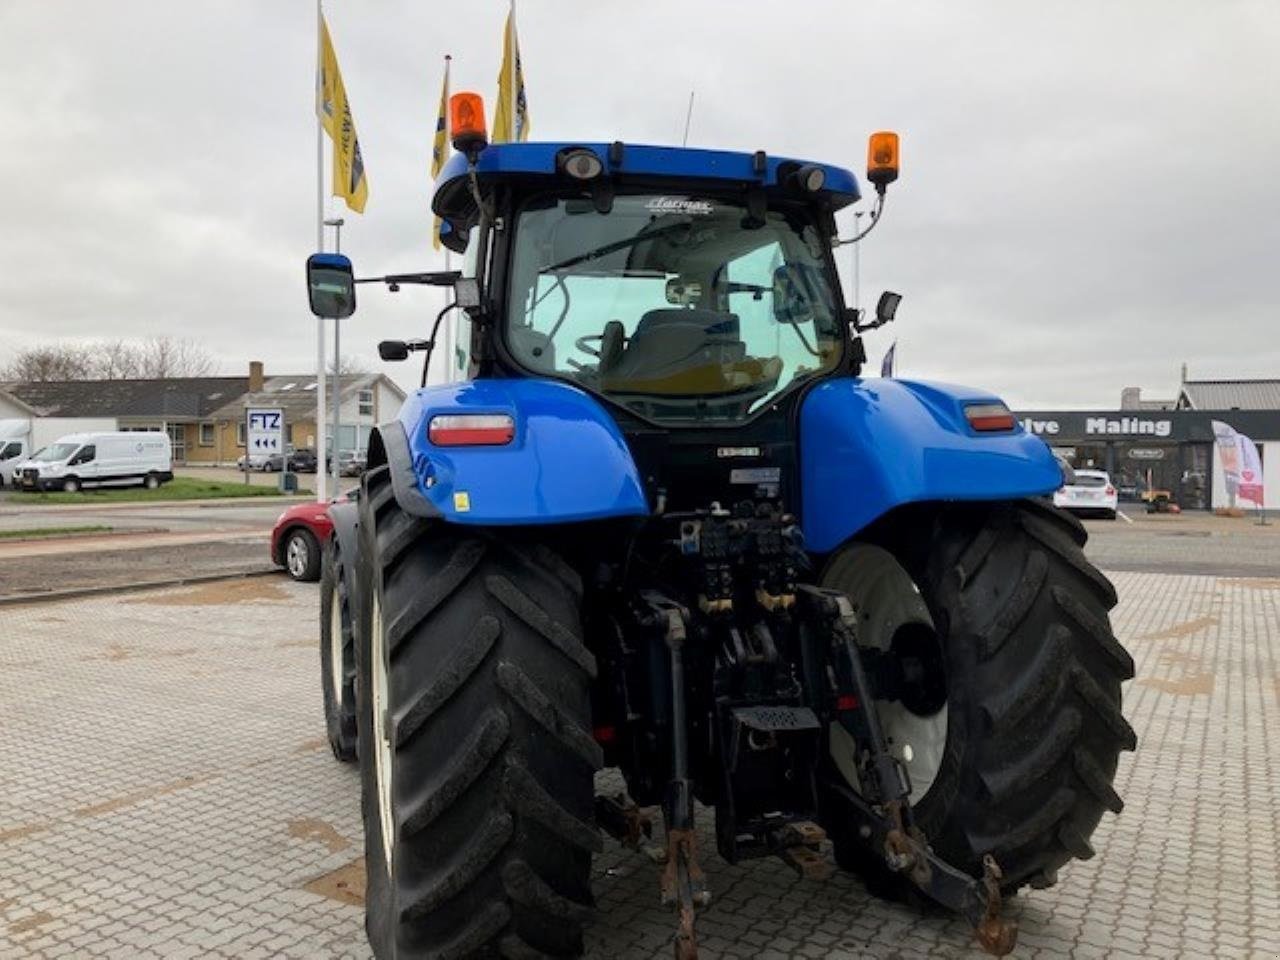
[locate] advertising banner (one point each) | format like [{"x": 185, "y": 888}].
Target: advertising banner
[{"x": 1241, "y": 465}]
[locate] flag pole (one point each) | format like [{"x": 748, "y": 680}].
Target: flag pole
[
  {"x": 321, "y": 446},
  {"x": 450, "y": 327},
  {"x": 511, "y": 74}
]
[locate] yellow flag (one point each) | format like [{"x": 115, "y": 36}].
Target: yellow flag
[
  {"x": 511, "y": 126},
  {"x": 440, "y": 145},
  {"x": 334, "y": 111}
]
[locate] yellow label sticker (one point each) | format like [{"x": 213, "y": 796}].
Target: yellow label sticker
[{"x": 462, "y": 501}]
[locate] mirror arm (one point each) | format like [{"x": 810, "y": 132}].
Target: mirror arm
[{"x": 438, "y": 278}]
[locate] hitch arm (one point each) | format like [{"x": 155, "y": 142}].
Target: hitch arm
[{"x": 884, "y": 821}]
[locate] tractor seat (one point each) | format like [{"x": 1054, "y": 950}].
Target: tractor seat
[{"x": 672, "y": 341}]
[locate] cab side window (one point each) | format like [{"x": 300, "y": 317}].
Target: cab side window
[
  {"x": 85, "y": 455},
  {"x": 10, "y": 451}
]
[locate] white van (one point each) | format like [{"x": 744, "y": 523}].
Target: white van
[
  {"x": 98, "y": 459},
  {"x": 13, "y": 446}
]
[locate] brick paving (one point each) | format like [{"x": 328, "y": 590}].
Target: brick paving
[{"x": 167, "y": 792}]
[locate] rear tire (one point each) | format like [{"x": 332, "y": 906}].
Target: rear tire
[
  {"x": 152, "y": 482},
  {"x": 337, "y": 652},
  {"x": 488, "y": 758},
  {"x": 1034, "y": 727}
]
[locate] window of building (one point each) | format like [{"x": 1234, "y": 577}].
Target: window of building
[
  {"x": 240, "y": 434},
  {"x": 206, "y": 434},
  {"x": 365, "y": 399}
]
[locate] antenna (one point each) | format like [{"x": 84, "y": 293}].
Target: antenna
[{"x": 688, "y": 119}]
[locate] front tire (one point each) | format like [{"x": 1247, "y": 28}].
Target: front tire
[
  {"x": 71, "y": 485},
  {"x": 301, "y": 554},
  {"x": 476, "y": 751},
  {"x": 337, "y": 652},
  {"x": 1033, "y": 674}
]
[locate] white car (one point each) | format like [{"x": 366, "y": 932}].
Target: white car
[{"x": 1090, "y": 492}]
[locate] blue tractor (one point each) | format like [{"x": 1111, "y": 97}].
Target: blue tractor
[{"x": 664, "y": 525}]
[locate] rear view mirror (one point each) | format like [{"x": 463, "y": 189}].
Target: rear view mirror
[
  {"x": 331, "y": 287},
  {"x": 792, "y": 297}
]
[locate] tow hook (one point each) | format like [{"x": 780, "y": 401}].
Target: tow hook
[
  {"x": 995, "y": 934},
  {"x": 684, "y": 886}
]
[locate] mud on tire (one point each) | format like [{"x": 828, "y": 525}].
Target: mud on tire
[
  {"x": 491, "y": 747},
  {"x": 1033, "y": 682}
]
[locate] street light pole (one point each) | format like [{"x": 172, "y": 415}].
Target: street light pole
[{"x": 336, "y": 223}]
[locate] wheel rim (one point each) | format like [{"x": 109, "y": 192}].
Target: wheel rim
[
  {"x": 381, "y": 731},
  {"x": 336, "y": 666},
  {"x": 917, "y": 733},
  {"x": 296, "y": 555}
]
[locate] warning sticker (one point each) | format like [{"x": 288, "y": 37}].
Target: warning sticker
[{"x": 462, "y": 501}]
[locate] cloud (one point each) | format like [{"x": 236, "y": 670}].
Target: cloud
[{"x": 1088, "y": 194}]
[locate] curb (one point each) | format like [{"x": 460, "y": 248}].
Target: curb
[
  {"x": 84, "y": 535},
  {"x": 83, "y": 592}
]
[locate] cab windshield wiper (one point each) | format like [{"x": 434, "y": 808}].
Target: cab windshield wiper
[{"x": 617, "y": 245}]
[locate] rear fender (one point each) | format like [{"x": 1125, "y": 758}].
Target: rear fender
[
  {"x": 567, "y": 461},
  {"x": 346, "y": 518},
  {"x": 868, "y": 446}
]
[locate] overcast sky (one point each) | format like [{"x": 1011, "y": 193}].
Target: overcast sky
[{"x": 1090, "y": 192}]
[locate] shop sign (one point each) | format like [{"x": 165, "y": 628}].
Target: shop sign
[{"x": 1146, "y": 453}]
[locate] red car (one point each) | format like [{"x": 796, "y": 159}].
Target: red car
[{"x": 299, "y": 537}]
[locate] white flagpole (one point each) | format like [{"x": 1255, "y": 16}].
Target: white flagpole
[
  {"x": 450, "y": 326},
  {"x": 321, "y": 447}
]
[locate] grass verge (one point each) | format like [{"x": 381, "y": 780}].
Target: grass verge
[
  {"x": 43, "y": 533},
  {"x": 179, "y": 488}
]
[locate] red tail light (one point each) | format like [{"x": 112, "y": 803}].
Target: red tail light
[
  {"x": 989, "y": 417},
  {"x": 1111, "y": 491},
  {"x": 471, "y": 430}
]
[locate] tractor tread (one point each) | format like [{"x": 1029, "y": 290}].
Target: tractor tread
[
  {"x": 482, "y": 849},
  {"x": 430, "y": 594},
  {"x": 1043, "y": 820},
  {"x": 472, "y": 758},
  {"x": 463, "y": 661},
  {"x": 1006, "y": 707},
  {"x": 1104, "y": 708},
  {"x": 1098, "y": 630},
  {"x": 487, "y": 923},
  {"x": 526, "y": 888},
  {"x": 975, "y": 555},
  {"x": 526, "y": 796},
  {"x": 1018, "y": 606},
  {"x": 541, "y": 708},
  {"x": 1069, "y": 523},
  {"x": 556, "y": 634},
  {"x": 493, "y": 755},
  {"x": 1035, "y": 725},
  {"x": 1096, "y": 780},
  {"x": 1052, "y": 538},
  {"x": 1075, "y": 842},
  {"x": 513, "y": 948},
  {"x": 1054, "y": 744}
]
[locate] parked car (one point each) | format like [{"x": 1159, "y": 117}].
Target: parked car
[
  {"x": 351, "y": 463},
  {"x": 1091, "y": 492},
  {"x": 98, "y": 459},
  {"x": 298, "y": 538},
  {"x": 303, "y": 461}
]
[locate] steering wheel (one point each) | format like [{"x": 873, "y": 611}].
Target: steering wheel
[{"x": 584, "y": 344}]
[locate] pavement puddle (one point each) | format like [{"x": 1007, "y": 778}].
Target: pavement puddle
[
  {"x": 218, "y": 592},
  {"x": 321, "y": 831},
  {"x": 346, "y": 884}
]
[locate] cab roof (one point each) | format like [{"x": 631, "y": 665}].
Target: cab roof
[{"x": 688, "y": 168}]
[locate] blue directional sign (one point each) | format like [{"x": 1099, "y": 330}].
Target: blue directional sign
[{"x": 265, "y": 431}]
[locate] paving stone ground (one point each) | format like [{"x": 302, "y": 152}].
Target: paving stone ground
[{"x": 166, "y": 791}]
